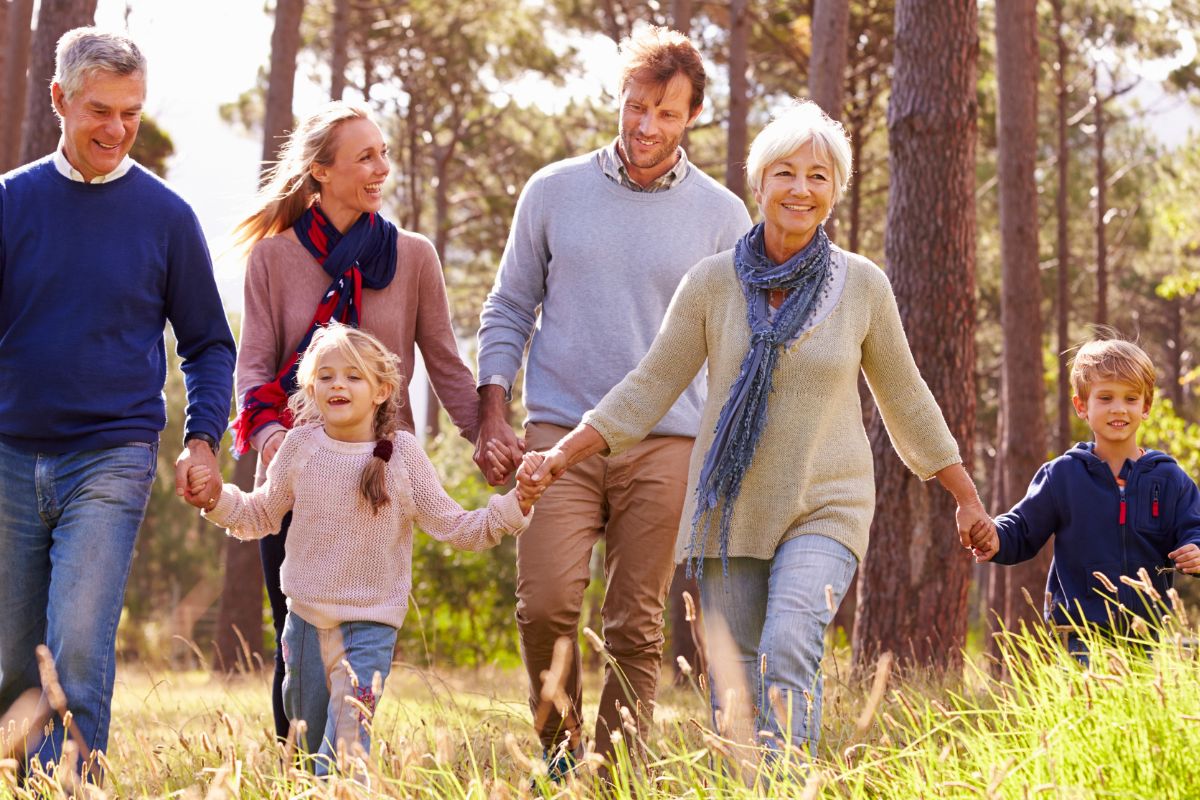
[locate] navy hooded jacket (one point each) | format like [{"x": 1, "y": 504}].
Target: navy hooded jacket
[{"x": 1101, "y": 527}]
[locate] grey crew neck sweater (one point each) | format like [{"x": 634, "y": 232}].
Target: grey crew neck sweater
[{"x": 602, "y": 262}]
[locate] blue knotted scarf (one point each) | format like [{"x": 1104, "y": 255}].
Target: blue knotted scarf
[{"x": 744, "y": 415}]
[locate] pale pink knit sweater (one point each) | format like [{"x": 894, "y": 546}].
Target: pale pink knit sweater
[
  {"x": 343, "y": 563},
  {"x": 283, "y": 286}
]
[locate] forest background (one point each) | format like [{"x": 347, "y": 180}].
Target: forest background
[{"x": 1023, "y": 170}]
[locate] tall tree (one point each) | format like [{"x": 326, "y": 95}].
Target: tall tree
[
  {"x": 238, "y": 639},
  {"x": 1062, "y": 219},
  {"x": 1023, "y": 438},
  {"x": 827, "y": 72},
  {"x": 285, "y": 44},
  {"x": 739, "y": 99},
  {"x": 40, "y": 132},
  {"x": 340, "y": 36},
  {"x": 681, "y": 16},
  {"x": 912, "y": 588}
]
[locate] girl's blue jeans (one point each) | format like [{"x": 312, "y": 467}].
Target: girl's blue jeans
[
  {"x": 319, "y": 689},
  {"x": 777, "y": 612}
]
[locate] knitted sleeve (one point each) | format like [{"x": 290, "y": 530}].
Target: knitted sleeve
[
  {"x": 914, "y": 422},
  {"x": 510, "y": 310},
  {"x": 253, "y": 515},
  {"x": 259, "y": 350},
  {"x": 631, "y": 409},
  {"x": 451, "y": 378},
  {"x": 444, "y": 519}
]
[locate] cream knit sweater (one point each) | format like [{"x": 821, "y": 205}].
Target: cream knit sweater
[
  {"x": 343, "y": 563},
  {"x": 812, "y": 471}
]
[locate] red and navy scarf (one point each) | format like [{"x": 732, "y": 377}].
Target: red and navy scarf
[{"x": 364, "y": 256}]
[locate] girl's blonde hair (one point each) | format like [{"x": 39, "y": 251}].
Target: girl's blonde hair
[
  {"x": 380, "y": 367},
  {"x": 289, "y": 187}
]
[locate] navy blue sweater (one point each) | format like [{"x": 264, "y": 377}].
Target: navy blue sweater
[
  {"x": 1100, "y": 527},
  {"x": 89, "y": 276}
]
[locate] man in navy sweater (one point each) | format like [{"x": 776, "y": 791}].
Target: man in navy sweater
[{"x": 96, "y": 256}]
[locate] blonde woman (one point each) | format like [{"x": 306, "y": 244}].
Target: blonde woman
[{"x": 319, "y": 251}]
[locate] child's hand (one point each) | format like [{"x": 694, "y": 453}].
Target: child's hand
[
  {"x": 198, "y": 478},
  {"x": 985, "y": 542},
  {"x": 528, "y": 491},
  {"x": 1186, "y": 558}
]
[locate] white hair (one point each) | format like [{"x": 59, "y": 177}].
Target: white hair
[
  {"x": 82, "y": 52},
  {"x": 801, "y": 122}
]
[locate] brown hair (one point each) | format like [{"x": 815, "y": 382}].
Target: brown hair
[
  {"x": 1113, "y": 358},
  {"x": 380, "y": 367},
  {"x": 289, "y": 187},
  {"x": 655, "y": 55}
]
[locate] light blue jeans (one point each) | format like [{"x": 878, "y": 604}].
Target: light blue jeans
[
  {"x": 777, "y": 613},
  {"x": 317, "y": 685},
  {"x": 68, "y": 524}
]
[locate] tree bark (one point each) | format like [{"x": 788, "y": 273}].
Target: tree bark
[
  {"x": 1101, "y": 203},
  {"x": 735, "y": 164},
  {"x": 40, "y": 130},
  {"x": 240, "y": 614},
  {"x": 1064, "y": 242},
  {"x": 827, "y": 69},
  {"x": 285, "y": 44},
  {"x": 681, "y": 16},
  {"x": 1023, "y": 442},
  {"x": 338, "y": 52},
  {"x": 912, "y": 590}
]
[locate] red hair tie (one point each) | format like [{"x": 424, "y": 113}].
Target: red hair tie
[{"x": 383, "y": 449}]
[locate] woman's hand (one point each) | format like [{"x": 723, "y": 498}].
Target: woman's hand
[
  {"x": 972, "y": 518},
  {"x": 976, "y": 529},
  {"x": 271, "y": 446}
]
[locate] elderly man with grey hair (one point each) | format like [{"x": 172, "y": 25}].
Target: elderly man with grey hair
[{"x": 96, "y": 256}]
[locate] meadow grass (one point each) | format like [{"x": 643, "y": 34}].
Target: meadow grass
[{"x": 1127, "y": 724}]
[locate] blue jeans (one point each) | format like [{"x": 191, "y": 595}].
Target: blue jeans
[
  {"x": 777, "y": 612},
  {"x": 316, "y": 683},
  {"x": 68, "y": 524}
]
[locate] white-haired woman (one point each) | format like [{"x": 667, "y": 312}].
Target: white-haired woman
[
  {"x": 321, "y": 251},
  {"x": 781, "y": 487}
]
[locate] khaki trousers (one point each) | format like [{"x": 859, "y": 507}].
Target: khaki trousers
[{"x": 634, "y": 501}]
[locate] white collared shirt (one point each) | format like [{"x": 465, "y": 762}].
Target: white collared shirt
[{"x": 70, "y": 173}]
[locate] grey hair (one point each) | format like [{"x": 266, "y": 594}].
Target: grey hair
[
  {"x": 801, "y": 122},
  {"x": 81, "y": 52}
]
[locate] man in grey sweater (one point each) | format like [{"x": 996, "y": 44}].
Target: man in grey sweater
[{"x": 599, "y": 243}]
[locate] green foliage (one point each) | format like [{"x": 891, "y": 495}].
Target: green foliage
[
  {"x": 1167, "y": 431},
  {"x": 152, "y": 147},
  {"x": 461, "y": 609}
]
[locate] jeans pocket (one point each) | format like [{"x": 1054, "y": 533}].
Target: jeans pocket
[{"x": 146, "y": 453}]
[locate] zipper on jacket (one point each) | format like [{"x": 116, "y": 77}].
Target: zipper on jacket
[
  {"x": 1124, "y": 546},
  {"x": 1154, "y": 503}
]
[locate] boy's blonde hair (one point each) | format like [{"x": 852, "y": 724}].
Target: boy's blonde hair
[
  {"x": 1112, "y": 359},
  {"x": 380, "y": 367}
]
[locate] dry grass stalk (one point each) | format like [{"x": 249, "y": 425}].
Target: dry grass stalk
[
  {"x": 883, "y": 669},
  {"x": 554, "y": 681},
  {"x": 1105, "y": 582}
]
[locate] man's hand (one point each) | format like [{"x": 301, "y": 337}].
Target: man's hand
[
  {"x": 197, "y": 454},
  {"x": 1186, "y": 558},
  {"x": 496, "y": 437}
]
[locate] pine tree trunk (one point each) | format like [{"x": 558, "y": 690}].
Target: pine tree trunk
[
  {"x": 285, "y": 44},
  {"x": 681, "y": 16},
  {"x": 735, "y": 163},
  {"x": 1101, "y": 204},
  {"x": 1021, "y": 386},
  {"x": 15, "y": 76},
  {"x": 340, "y": 36},
  {"x": 912, "y": 590},
  {"x": 40, "y": 130},
  {"x": 827, "y": 67},
  {"x": 1064, "y": 244},
  {"x": 240, "y": 614}
]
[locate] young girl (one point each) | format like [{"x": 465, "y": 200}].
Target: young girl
[{"x": 355, "y": 486}]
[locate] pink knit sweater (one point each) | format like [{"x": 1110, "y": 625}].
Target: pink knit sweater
[
  {"x": 343, "y": 563},
  {"x": 282, "y": 288}
]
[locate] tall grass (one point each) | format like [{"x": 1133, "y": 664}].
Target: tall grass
[{"x": 1127, "y": 724}]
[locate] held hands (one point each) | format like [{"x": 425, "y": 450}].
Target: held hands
[
  {"x": 197, "y": 454},
  {"x": 497, "y": 449},
  {"x": 536, "y": 473},
  {"x": 1186, "y": 558},
  {"x": 977, "y": 530},
  {"x": 201, "y": 478}
]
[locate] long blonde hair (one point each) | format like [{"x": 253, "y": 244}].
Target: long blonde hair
[
  {"x": 380, "y": 367},
  {"x": 289, "y": 187}
]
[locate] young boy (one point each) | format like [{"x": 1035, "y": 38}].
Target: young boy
[{"x": 1112, "y": 506}]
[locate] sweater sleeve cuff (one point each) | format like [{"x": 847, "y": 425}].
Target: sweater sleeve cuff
[
  {"x": 259, "y": 438},
  {"x": 219, "y": 515},
  {"x": 510, "y": 513}
]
